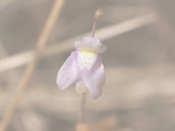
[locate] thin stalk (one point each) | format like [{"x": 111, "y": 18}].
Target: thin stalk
[
  {"x": 81, "y": 115},
  {"x": 94, "y": 27}
]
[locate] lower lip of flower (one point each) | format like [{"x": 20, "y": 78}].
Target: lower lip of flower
[{"x": 86, "y": 59}]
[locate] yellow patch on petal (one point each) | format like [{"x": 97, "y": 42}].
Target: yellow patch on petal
[{"x": 86, "y": 59}]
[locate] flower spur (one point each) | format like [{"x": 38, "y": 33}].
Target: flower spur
[{"x": 84, "y": 67}]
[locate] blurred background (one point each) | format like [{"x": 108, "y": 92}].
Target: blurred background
[{"x": 139, "y": 94}]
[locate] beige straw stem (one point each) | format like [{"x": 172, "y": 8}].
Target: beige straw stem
[{"x": 31, "y": 66}]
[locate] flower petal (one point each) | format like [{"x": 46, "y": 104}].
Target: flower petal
[
  {"x": 94, "y": 80},
  {"x": 68, "y": 73},
  {"x": 86, "y": 59},
  {"x": 90, "y": 44}
]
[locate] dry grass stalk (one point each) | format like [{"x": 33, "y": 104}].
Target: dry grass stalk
[
  {"x": 31, "y": 66},
  {"x": 103, "y": 34}
]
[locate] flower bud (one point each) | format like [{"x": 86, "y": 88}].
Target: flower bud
[{"x": 98, "y": 14}]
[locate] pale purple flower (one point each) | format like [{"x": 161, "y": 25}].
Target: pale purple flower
[{"x": 84, "y": 67}]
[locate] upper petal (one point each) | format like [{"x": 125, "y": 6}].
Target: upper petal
[
  {"x": 68, "y": 73},
  {"x": 94, "y": 80},
  {"x": 90, "y": 44}
]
